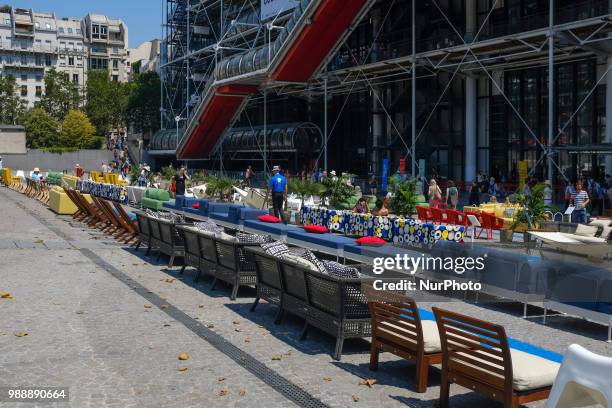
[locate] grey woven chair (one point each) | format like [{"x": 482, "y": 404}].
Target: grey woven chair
[
  {"x": 171, "y": 242},
  {"x": 268, "y": 283},
  {"x": 234, "y": 265}
]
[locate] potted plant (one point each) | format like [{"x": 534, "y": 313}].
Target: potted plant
[
  {"x": 303, "y": 189},
  {"x": 533, "y": 211},
  {"x": 405, "y": 197},
  {"x": 337, "y": 193}
]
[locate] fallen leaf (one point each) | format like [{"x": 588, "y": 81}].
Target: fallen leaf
[
  {"x": 201, "y": 306},
  {"x": 170, "y": 280},
  {"x": 277, "y": 357},
  {"x": 164, "y": 306},
  {"x": 237, "y": 330},
  {"x": 369, "y": 382},
  {"x": 355, "y": 398},
  {"x": 242, "y": 393},
  {"x": 223, "y": 393},
  {"x": 148, "y": 306},
  {"x": 183, "y": 356},
  {"x": 182, "y": 368},
  {"x": 221, "y": 379},
  {"x": 236, "y": 322},
  {"x": 39, "y": 241},
  {"x": 20, "y": 333},
  {"x": 247, "y": 340},
  {"x": 149, "y": 291},
  {"x": 210, "y": 326},
  {"x": 166, "y": 325},
  {"x": 6, "y": 295},
  {"x": 328, "y": 379},
  {"x": 196, "y": 318}
]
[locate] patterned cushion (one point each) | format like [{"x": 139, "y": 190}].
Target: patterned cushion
[
  {"x": 226, "y": 237},
  {"x": 340, "y": 271},
  {"x": 253, "y": 238},
  {"x": 310, "y": 256},
  {"x": 275, "y": 248},
  {"x": 208, "y": 226},
  {"x": 300, "y": 261}
]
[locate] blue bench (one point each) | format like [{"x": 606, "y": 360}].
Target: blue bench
[{"x": 278, "y": 230}]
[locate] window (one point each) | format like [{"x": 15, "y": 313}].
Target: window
[
  {"x": 71, "y": 61},
  {"x": 63, "y": 45},
  {"x": 48, "y": 26},
  {"x": 24, "y": 77},
  {"x": 48, "y": 60},
  {"x": 98, "y": 63},
  {"x": 23, "y": 44},
  {"x": 78, "y": 31},
  {"x": 75, "y": 78},
  {"x": 115, "y": 78},
  {"x": 115, "y": 64},
  {"x": 38, "y": 59},
  {"x": 38, "y": 78},
  {"x": 69, "y": 30},
  {"x": 60, "y": 30},
  {"x": 37, "y": 25},
  {"x": 115, "y": 50},
  {"x": 24, "y": 60},
  {"x": 39, "y": 91},
  {"x": 24, "y": 90},
  {"x": 71, "y": 45},
  {"x": 8, "y": 21}
]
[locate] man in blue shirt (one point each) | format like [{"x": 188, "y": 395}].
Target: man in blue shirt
[
  {"x": 278, "y": 188},
  {"x": 36, "y": 174}
]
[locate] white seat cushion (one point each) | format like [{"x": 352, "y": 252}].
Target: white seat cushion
[
  {"x": 531, "y": 372},
  {"x": 586, "y": 230},
  {"x": 431, "y": 336}
]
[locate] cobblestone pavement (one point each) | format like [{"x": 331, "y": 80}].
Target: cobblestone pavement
[{"x": 110, "y": 323}]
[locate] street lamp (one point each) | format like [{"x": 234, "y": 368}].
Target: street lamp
[{"x": 177, "y": 118}]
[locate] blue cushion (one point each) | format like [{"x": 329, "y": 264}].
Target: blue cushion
[
  {"x": 220, "y": 216},
  {"x": 278, "y": 229},
  {"x": 188, "y": 201},
  {"x": 180, "y": 199},
  {"x": 131, "y": 215},
  {"x": 170, "y": 204},
  {"x": 251, "y": 213},
  {"x": 198, "y": 212},
  {"x": 327, "y": 240},
  {"x": 219, "y": 207}
]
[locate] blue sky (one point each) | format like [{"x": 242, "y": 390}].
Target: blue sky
[{"x": 143, "y": 17}]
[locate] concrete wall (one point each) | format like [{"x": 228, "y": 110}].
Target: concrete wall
[
  {"x": 88, "y": 159},
  {"x": 12, "y": 140}
]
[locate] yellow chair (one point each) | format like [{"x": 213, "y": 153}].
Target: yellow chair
[
  {"x": 71, "y": 181},
  {"x": 60, "y": 203}
]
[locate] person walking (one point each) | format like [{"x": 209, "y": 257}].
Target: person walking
[
  {"x": 277, "y": 187},
  {"x": 548, "y": 194},
  {"x": 474, "y": 199},
  {"x": 452, "y": 194},
  {"x": 143, "y": 177},
  {"x": 580, "y": 200},
  {"x": 373, "y": 185},
  {"x": 434, "y": 193},
  {"x": 248, "y": 175},
  {"x": 569, "y": 192},
  {"x": 78, "y": 171},
  {"x": 179, "y": 181}
]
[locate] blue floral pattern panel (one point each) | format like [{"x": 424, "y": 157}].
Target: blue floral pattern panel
[
  {"x": 111, "y": 192},
  {"x": 391, "y": 228}
]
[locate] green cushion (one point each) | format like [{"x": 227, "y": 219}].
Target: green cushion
[
  {"x": 152, "y": 204},
  {"x": 421, "y": 199},
  {"x": 163, "y": 195}
]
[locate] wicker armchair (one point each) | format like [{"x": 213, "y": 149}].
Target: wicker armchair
[
  {"x": 269, "y": 286},
  {"x": 234, "y": 265},
  {"x": 192, "y": 248},
  {"x": 144, "y": 230},
  {"x": 171, "y": 242}
]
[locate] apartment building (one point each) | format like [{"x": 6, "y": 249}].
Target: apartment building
[
  {"x": 31, "y": 43},
  {"x": 144, "y": 58}
]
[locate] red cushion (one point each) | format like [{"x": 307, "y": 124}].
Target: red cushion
[
  {"x": 371, "y": 241},
  {"x": 269, "y": 218},
  {"x": 315, "y": 229},
  {"x": 195, "y": 206}
]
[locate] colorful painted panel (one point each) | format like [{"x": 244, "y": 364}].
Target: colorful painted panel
[
  {"x": 391, "y": 228},
  {"x": 111, "y": 192}
]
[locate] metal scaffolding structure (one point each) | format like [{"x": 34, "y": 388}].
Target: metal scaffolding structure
[{"x": 215, "y": 42}]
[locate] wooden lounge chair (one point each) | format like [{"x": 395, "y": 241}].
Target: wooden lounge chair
[
  {"x": 476, "y": 355},
  {"x": 397, "y": 328},
  {"x": 81, "y": 214},
  {"x": 124, "y": 232},
  {"x": 129, "y": 224}
]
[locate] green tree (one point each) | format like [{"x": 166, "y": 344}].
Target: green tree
[
  {"x": 142, "y": 112},
  {"x": 106, "y": 101},
  {"x": 77, "y": 130},
  {"x": 61, "y": 95},
  {"x": 41, "y": 129},
  {"x": 11, "y": 105}
]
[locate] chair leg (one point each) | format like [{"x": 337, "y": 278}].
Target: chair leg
[
  {"x": 158, "y": 255},
  {"x": 422, "y": 374},
  {"x": 444, "y": 390},
  {"x": 279, "y": 316},
  {"x": 197, "y": 278},
  {"x": 338, "y": 351},
  {"x": 255, "y": 303},
  {"x": 148, "y": 249},
  {"x": 304, "y": 331},
  {"x": 137, "y": 245},
  {"x": 374, "y": 354},
  {"x": 214, "y": 284},
  {"x": 171, "y": 262},
  {"x": 234, "y": 291},
  {"x": 182, "y": 269}
]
